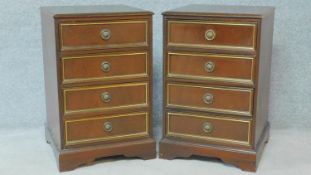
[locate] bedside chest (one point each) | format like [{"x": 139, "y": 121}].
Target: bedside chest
[
  {"x": 216, "y": 82},
  {"x": 98, "y": 82}
]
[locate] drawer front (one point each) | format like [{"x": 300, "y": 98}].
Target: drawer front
[
  {"x": 105, "y": 128},
  {"x": 98, "y": 35},
  {"x": 209, "y": 128},
  {"x": 213, "y": 99},
  {"x": 212, "y": 34},
  {"x": 104, "y": 67},
  {"x": 236, "y": 69},
  {"x": 100, "y": 98}
]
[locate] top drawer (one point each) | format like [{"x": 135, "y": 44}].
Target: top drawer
[
  {"x": 100, "y": 35},
  {"x": 212, "y": 34}
]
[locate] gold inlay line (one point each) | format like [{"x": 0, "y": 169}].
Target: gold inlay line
[
  {"x": 233, "y": 80},
  {"x": 254, "y": 25},
  {"x": 139, "y": 134},
  {"x": 216, "y": 139},
  {"x": 115, "y": 77},
  {"x": 213, "y": 55}
]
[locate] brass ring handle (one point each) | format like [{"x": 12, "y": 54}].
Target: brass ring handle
[
  {"x": 209, "y": 66},
  {"x": 207, "y": 127},
  {"x": 108, "y": 126},
  {"x": 106, "y": 97},
  {"x": 105, "y": 66},
  {"x": 208, "y": 98},
  {"x": 210, "y": 35},
  {"x": 105, "y": 34}
]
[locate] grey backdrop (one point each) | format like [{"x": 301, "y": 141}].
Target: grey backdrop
[{"x": 22, "y": 101}]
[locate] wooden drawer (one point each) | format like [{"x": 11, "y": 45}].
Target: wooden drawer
[
  {"x": 228, "y": 68},
  {"x": 104, "y": 67},
  {"x": 105, "y": 128},
  {"x": 209, "y": 128},
  {"x": 106, "y": 34},
  {"x": 213, "y": 99},
  {"x": 99, "y": 98},
  {"x": 212, "y": 34}
]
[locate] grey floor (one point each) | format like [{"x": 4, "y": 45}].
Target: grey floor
[{"x": 25, "y": 152}]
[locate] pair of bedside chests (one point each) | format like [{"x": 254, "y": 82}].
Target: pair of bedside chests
[{"x": 98, "y": 82}]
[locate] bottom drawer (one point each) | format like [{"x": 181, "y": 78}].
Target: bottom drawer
[
  {"x": 209, "y": 128},
  {"x": 104, "y": 128}
]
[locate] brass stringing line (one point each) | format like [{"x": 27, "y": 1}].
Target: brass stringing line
[
  {"x": 106, "y": 86},
  {"x": 105, "y": 108},
  {"x": 235, "y": 80},
  {"x": 210, "y": 87},
  {"x": 109, "y": 55},
  {"x": 247, "y": 113},
  {"x": 104, "y": 78},
  {"x": 211, "y": 116},
  {"x": 213, "y": 55}
]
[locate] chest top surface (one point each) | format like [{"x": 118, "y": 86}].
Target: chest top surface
[
  {"x": 93, "y": 10},
  {"x": 222, "y": 10}
]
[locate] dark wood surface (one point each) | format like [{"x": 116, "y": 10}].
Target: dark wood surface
[
  {"x": 188, "y": 70},
  {"x": 51, "y": 73},
  {"x": 74, "y": 82},
  {"x": 172, "y": 148},
  {"x": 227, "y": 11},
  {"x": 93, "y": 10},
  {"x": 264, "y": 71},
  {"x": 70, "y": 159}
]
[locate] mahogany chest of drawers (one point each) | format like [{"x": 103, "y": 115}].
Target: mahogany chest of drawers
[
  {"x": 216, "y": 82},
  {"x": 98, "y": 82}
]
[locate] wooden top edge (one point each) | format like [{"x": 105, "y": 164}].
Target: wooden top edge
[
  {"x": 93, "y": 10},
  {"x": 222, "y": 10}
]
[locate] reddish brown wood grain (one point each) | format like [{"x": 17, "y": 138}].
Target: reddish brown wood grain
[
  {"x": 73, "y": 53},
  {"x": 224, "y": 130},
  {"x": 241, "y": 31},
  {"x": 121, "y": 96},
  {"x": 225, "y": 100},
  {"x": 227, "y": 34},
  {"x": 87, "y": 34},
  {"x": 123, "y": 126},
  {"x": 88, "y": 68},
  {"x": 229, "y": 68}
]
